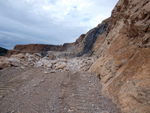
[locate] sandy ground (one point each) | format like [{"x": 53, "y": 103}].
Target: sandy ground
[{"x": 32, "y": 91}]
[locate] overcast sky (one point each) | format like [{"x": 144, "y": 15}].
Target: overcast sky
[{"x": 49, "y": 21}]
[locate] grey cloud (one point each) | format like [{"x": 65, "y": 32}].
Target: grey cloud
[
  {"x": 22, "y": 23},
  {"x": 23, "y": 30}
]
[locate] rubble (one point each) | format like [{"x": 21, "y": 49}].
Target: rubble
[{"x": 61, "y": 63}]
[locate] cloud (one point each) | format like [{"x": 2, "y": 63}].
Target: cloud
[{"x": 49, "y": 21}]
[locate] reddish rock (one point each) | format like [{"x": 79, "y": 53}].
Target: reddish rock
[{"x": 37, "y": 48}]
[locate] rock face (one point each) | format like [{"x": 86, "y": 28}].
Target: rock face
[
  {"x": 123, "y": 63},
  {"x": 37, "y": 48},
  {"x": 91, "y": 38},
  {"x": 77, "y": 46},
  {"x": 34, "y": 48},
  {"x": 43, "y": 48}
]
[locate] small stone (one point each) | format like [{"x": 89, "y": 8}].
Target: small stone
[
  {"x": 73, "y": 108},
  {"x": 23, "y": 93},
  {"x": 13, "y": 90},
  {"x": 17, "y": 68},
  {"x": 69, "y": 110},
  {"x": 12, "y": 111},
  {"x": 31, "y": 64},
  {"x": 45, "y": 72},
  {"x": 42, "y": 80},
  {"x": 22, "y": 67},
  {"x": 21, "y": 63},
  {"x": 73, "y": 94},
  {"x": 26, "y": 65},
  {"x": 65, "y": 69},
  {"x": 104, "y": 112},
  {"x": 53, "y": 71},
  {"x": 60, "y": 70},
  {"x": 38, "y": 55},
  {"x": 35, "y": 85},
  {"x": 61, "y": 66}
]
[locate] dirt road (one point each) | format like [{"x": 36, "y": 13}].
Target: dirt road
[{"x": 32, "y": 91}]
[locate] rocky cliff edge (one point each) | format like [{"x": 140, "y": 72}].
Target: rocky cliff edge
[{"x": 123, "y": 52}]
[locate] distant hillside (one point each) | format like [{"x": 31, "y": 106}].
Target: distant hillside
[
  {"x": 3, "y": 51},
  {"x": 75, "y": 47}
]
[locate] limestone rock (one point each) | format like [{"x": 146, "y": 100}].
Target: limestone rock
[
  {"x": 19, "y": 56},
  {"x": 47, "y": 65},
  {"x": 37, "y": 55},
  {"x": 52, "y": 71},
  {"x": 4, "y": 65},
  {"x": 12, "y": 60},
  {"x": 61, "y": 66},
  {"x": 22, "y": 67},
  {"x": 45, "y": 72}
]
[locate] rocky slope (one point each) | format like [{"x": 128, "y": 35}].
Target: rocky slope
[{"x": 124, "y": 60}]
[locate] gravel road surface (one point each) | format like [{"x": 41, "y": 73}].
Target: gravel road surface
[{"x": 33, "y": 91}]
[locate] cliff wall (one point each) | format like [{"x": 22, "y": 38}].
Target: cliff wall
[
  {"x": 43, "y": 48},
  {"x": 123, "y": 52}
]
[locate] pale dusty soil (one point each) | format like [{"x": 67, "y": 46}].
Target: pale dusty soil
[{"x": 32, "y": 91}]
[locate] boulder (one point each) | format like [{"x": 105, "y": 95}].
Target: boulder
[
  {"x": 61, "y": 66},
  {"x": 39, "y": 64},
  {"x": 14, "y": 62},
  {"x": 19, "y": 56},
  {"x": 37, "y": 55},
  {"x": 48, "y": 65},
  {"x": 52, "y": 71},
  {"x": 4, "y": 65}
]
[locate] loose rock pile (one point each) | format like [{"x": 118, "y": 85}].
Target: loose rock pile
[
  {"x": 64, "y": 64},
  {"x": 60, "y": 62}
]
